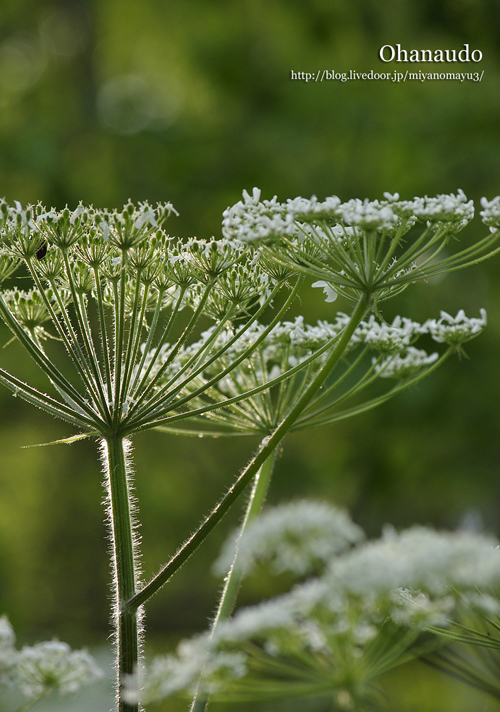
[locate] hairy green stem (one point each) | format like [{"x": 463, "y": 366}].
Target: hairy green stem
[
  {"x": 255, "y": 503},
  {"x": 127, "y": 621},
  {"x": 234, "y": 576},
  {"x": 31, "y": 703}
]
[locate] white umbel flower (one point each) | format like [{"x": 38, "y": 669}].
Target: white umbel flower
[
  {"x": 419, "y": 559},
  {"x": 295, "y": 537},
  {"x": 52, "y": 665},
  {"x": 388, "y": 338},
  {"x": 368, "y": 214},
  {"x": 405, "y": 364},
  {"x": 252, "y": 219},
  {"x": 455, "y": 330},
  {"x": 490, "y": 213},
  {"x": 7, "y": 651},
  {"x": 455, "y": 209}
]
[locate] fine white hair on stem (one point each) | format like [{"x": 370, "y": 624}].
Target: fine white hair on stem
[{"x": 110, "y": 513}]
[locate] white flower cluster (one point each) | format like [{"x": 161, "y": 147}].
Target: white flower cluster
[
  {"x": 406, "y": 364},
  {"x": 295, "y": 537},
  {"x": 388, "y": 338},
  {"x": 303, "y": 209},
  {"x": 7, "y": 642},
  {"x": 253, "y": 219},
  {"x": 116, "y": 224},
  {"x": 447, "y": 209},
  {"x": 368, "y": 214},
  {"x": 53, "y": 665},
  {"x": 455, "y": 330},
  {"x": 244, "y": 367},
  {"x": 422, "y": 559},
  {"x": 408, "y": 360},
  {"x": 490, "y": 213},
  {"x": 297, "y": 340},
  {"x": 324, "y": 630},
  {"x": 44, "y": 667},
  {"x": 415, "y": 577},
  {"x": 293, "y": 340},
  {"x": 170, "y": 674},
  {"x": 211, "y": 256}
]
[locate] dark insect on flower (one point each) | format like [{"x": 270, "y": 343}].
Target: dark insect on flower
[{"x": 42, "y": 251}]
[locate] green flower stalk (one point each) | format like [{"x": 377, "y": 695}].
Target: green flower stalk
[
  {"x": 107, "y": 288},
  {"x": 106, "y": 293},
  {"x": 330, "y": 240},
  {"x": 290, "y": 356}
]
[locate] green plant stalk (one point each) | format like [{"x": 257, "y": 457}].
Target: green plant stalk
[
  {"x": 255, "y": 503},
  {"x": 127, "y": 621},
  {"x": 268, "y": 445},
  {"x": 234, "y": 576},
  {"x": 31, "y": 703}
]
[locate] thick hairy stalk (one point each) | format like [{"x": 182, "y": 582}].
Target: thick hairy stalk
[
  {"x": 233, "y": 579},
  {"x": 126, "y": 620}
]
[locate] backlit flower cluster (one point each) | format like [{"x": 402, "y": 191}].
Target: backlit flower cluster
[
  {"x": 366, "y": 611},
  {"x": 110, "y": 285},
  {"x": 281, "y": 361},
  {"x": 490, "y": 213},
  {"x": 356, "y": 247},
  {"x": 455, "y": 330},
  {"x": 45, "y": 667}
]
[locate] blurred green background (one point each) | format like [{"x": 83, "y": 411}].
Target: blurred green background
[{"x": 192, "y": 102}]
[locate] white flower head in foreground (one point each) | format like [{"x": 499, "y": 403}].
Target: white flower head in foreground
[
  {"x": 45, "y": 667},
  {"x": 7, "y": 635},
  {"x": 340, "y": 631},
  {"x": 52, "y": 665},
  {"x": 419, "y": 559},
  {"x": 171, "y": 674},
  {"x": 294, "y": 537},
  {"x": 7, "y": 650}
]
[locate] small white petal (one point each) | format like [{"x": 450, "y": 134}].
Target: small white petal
[{"x": 331, "y": 294}]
